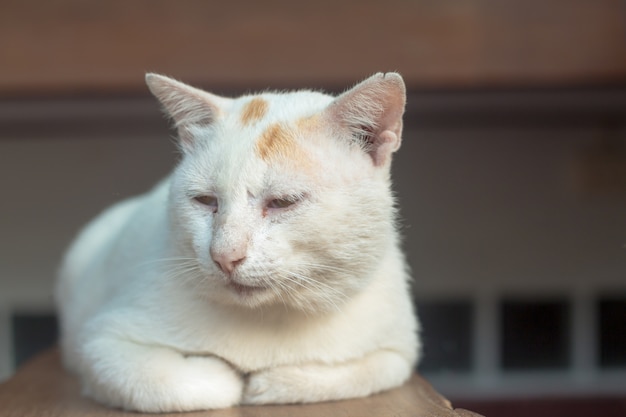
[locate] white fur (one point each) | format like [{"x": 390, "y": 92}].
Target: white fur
[{"x": 149, "y": 320}]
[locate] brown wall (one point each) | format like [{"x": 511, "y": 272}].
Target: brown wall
[{"x": 69, "y": 46}]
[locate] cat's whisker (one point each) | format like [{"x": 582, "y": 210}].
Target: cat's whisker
[
  {"x": 325, "y": 267},
  {"x": 308, "y": 283},
  {"x": 285, "y": 282},
  {"x": 188, "y": 272},
  {"x": 277, "y": 287},
  {"x": 317, "y": 283},
  {"x": 166, "y": 264},
  {"x": 277, "y": 291},
  {"x": 181, "y": 268},
  {"x": 186, "y": 275},
  {"x": 175, "y": 259}
]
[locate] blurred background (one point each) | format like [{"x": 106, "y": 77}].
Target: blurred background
[{"x": 511, "y": 178}]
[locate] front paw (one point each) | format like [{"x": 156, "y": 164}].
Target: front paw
[
  {"x": 256, "y": 388},
  {"x": 272, "y": 386}
]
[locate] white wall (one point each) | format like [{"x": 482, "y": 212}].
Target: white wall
[
  {"x": 502, "y": 209},
  {"x": 50, "y": 187}
]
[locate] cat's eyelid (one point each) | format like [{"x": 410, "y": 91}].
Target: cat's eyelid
[
  {"x": 284, "y": 202},
  {"x": 207, "y": 200}
]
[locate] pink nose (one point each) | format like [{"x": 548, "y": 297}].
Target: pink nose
[{"x": 228, "y": 260}]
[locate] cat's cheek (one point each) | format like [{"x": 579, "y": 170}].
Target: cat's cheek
[
  {"x": 200, "y": 237},
  {"x": 272, "y": 252}
]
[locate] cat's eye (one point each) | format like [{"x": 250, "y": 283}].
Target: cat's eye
[
  {"x": 207, "y": 200},
  {"x": 282, "y": 203}
]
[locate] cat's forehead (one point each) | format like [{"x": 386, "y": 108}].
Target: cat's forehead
[
  {"x": 270, "y": 107},
  {"x": 276, "y": 123}
]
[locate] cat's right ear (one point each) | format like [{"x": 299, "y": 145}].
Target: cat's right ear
[
  {"x": 188, "y": 107},
  {"x": 371, "y": 112}
]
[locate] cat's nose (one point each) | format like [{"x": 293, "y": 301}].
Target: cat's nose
[{"x": 228, "y": 260}]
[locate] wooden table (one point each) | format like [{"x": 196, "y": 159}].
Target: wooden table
[{"x": 43, "y": 388}]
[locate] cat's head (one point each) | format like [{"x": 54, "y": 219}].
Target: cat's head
[{"x": 284, "y": 198}]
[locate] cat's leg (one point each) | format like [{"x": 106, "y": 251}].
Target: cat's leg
[
  {"x": 155, "y": 379},
  {"x": 376, "y": 372}
]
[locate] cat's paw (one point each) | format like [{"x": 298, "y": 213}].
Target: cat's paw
[
  {"x": 264, "y": 387},
  {"x": 271, "y": 386},
  {"x": 307, "y": 383},
  {"x": 210, "y": 383},
  {"x": 157, "y": 380},
  {"x": 258, "y": 389}
]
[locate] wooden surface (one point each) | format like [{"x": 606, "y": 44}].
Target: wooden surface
[
  {"x": 87, "y": 46},
  {"x": 42, "y": 388}
]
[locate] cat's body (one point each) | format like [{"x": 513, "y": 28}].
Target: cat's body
[{"x": 265, "y": 269}]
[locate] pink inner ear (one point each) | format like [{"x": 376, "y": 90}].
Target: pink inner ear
[
  {"x": 383, "y": 145},
  {"x": 372, "y": 112}
]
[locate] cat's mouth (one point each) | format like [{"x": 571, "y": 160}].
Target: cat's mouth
[{"x": 244, "y": 290}]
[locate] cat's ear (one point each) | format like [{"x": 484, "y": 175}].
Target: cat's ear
[
  {"x": 187, "y": 106},
  {"x": 371, "y": 113}
]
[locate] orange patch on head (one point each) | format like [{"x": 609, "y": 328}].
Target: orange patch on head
[
  {"x": 254, "y": 110},
  {"x": 276, "y": 141},
  {"x": 278, "y": 144},
  {"x": 309, "y": 123}
]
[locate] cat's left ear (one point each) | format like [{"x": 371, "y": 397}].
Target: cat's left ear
[
  {"x": 187, "y": 106},
  {"x": 371, "y": 112}
]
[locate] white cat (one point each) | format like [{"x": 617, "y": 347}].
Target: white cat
[{"x": 265, "y": 269}]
